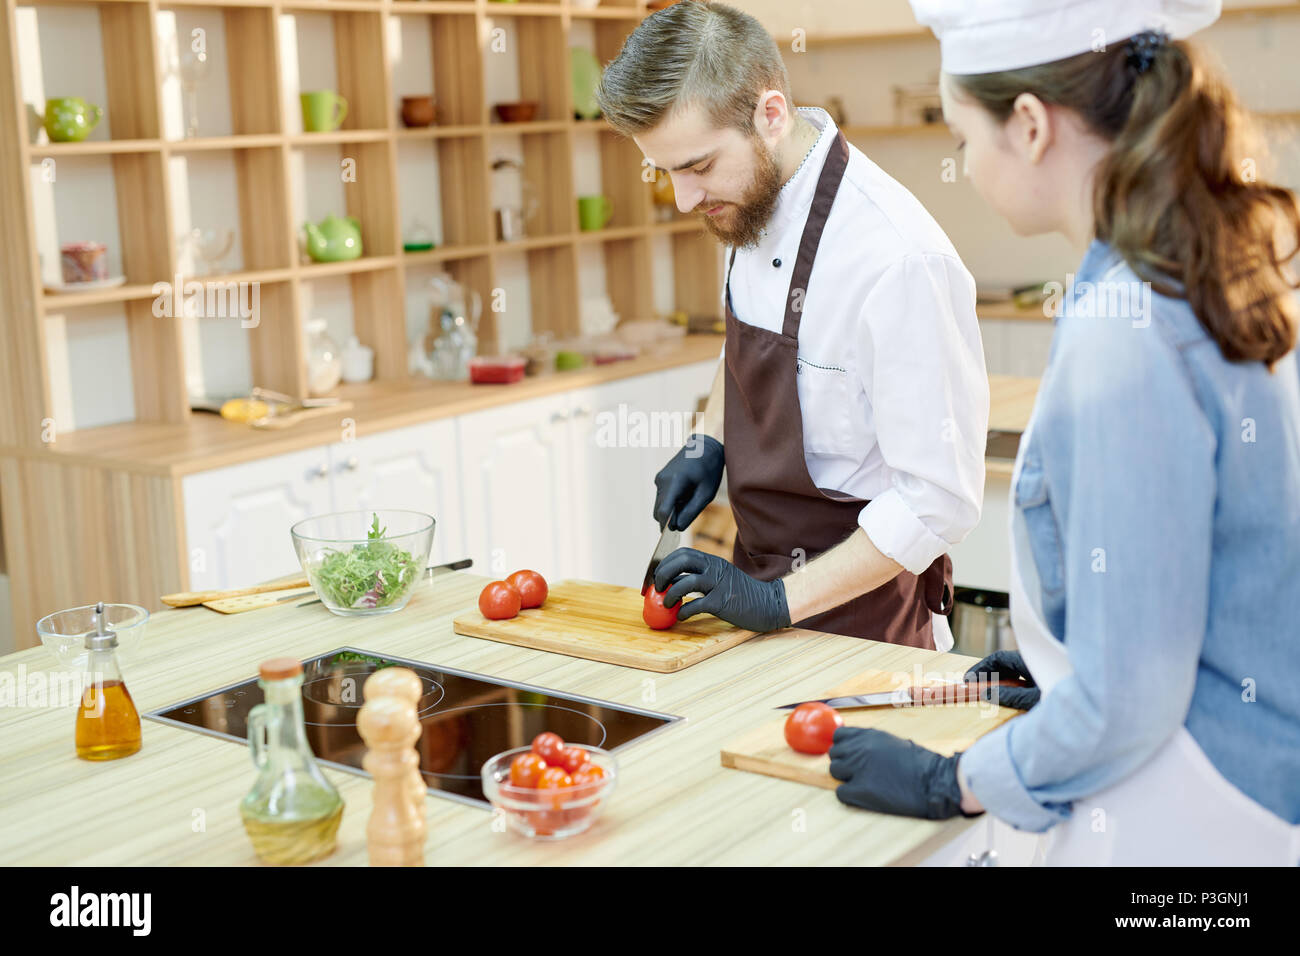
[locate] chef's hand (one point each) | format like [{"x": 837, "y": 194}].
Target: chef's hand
[
  {"x": 1008, "y": 665},
  {"x": 888, "y": 774},
  {"x": 688, "y": 482},
  {"x": 729, "y": 593}
]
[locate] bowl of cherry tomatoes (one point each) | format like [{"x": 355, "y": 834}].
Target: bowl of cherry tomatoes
[{"x": 550, "y": 790}]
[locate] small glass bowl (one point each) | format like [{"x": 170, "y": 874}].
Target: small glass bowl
[
  {"x": 331, "y": 548},
  {"x": 64, "y": 632},
  {"x": 549, "y": 814}
]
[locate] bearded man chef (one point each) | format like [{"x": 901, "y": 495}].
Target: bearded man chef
[{"x": 851, "y": 406}]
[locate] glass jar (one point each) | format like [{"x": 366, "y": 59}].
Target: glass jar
[
  {"x": 292, "y": 814},
  {"x": 324, "y": 361}
]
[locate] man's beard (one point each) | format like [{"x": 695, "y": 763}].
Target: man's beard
[{"x": 751, "y": 214}]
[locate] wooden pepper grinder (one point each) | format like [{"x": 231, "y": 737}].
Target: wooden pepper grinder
[
  {"x": 388, "y": 725},
  {"x": 400, "y": 682}
]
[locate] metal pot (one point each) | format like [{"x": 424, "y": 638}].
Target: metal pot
[{"x": 981, "y": 622}]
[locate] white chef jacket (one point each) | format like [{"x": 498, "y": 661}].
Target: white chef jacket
[{"x": 891, "y": 378}]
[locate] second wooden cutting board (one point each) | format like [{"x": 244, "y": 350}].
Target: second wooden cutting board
[
  {"x": 602, "y": 622},
  {"x": 946, "y": 729}
]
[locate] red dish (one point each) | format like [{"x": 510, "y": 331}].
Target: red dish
[{"x": 496, "y": 371}]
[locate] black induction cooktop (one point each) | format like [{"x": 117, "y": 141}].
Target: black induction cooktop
[{"x": 466, "y": 718}]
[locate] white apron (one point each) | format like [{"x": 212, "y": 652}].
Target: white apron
[{"x": 1176, "y": 809}]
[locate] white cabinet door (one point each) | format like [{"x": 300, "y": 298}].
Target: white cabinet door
[
  {"x": 684, "y": 387},
  {"x": 415, "y": 469},
  {"x": 237, "y": 519},
  {"x": 617, "y": 434},
  {"x": 515, "y": 488}
]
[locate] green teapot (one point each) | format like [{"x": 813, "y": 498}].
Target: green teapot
[
  {"x": 69, "y": 119},
  {"x": 334, "y": 239}
]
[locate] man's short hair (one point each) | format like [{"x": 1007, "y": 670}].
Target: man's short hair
[{"x": 695, "y": 52}]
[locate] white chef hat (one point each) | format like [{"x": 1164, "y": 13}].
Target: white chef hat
[{"x": 988, "y": 36}]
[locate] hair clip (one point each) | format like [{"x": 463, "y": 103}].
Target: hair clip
[{"x": 1142, "y": 48}]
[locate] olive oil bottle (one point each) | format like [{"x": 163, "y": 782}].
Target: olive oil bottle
[
  {"x": 108, "y": 725},
  {"x": 292, "y": 814}
]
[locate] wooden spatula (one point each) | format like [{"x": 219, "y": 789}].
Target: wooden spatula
[{"x": 191, "y": 598}]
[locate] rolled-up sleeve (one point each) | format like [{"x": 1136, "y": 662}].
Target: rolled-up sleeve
[
  {"x": 1128, "y": 456},
  {"x": 924, "y": 375}
]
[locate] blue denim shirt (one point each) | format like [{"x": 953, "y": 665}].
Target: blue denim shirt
[{"x": 1160, "y": 490}]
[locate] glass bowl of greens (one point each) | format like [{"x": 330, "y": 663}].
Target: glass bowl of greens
[{"x": 364, "y": 562}]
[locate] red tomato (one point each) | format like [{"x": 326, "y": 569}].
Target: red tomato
[
  {"x": 655, "y": 614},
  {"x": 531, "y": 587},
  {"x": 554, "y": 778},
  {"x": 549, "y": 747},
  {"x": 811, "y": 728},
  {"x": 499, "y": 601},
  {"x": 572, "y": 759},
  {"x": 525, "y": 769}
]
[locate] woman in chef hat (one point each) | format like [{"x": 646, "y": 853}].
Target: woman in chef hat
[{"x": 1156, "y": 496}]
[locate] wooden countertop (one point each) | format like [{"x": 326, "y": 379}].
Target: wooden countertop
[
  {"x": 675, "y": 804},
  {"x": 208, "y": 441}
]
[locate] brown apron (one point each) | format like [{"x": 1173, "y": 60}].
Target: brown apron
[{"x": 778, "y": 509}]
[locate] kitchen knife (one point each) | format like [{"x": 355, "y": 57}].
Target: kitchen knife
[
  {"x": 432, "y": 569},
  {"x": 913, "y": 696},
  {"x": 668, "y": 543}
]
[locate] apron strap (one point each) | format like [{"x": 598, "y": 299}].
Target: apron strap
[{"x": 828, "y": 183}]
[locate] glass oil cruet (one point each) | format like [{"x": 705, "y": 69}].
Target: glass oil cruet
[
  {"x": 292, "y": 813},
  {"x": 108, "y": 725}
]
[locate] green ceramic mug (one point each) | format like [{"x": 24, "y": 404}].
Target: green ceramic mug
[
  {"x": 323, "y": 111},
  {"x": 594, "y": 212},
  {"x": 69, "y": 119}
]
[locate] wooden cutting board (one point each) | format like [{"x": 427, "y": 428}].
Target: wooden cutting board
[
  {"x": 602, "y": 622},
  {"x": 946, "y": 729},
  {"x": 251, "y": 602}
]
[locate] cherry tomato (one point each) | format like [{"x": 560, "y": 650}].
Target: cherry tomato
[
  {"x": 525, "y": 769},
  {"x": 572, "y": 759},
  {"x": 499, "y": 601},
  {"x": 531, "y": 587},
  {"x": 655, "y": 614},
  {"x": 549, "y": 747},
  {"x": 554, "y": 778},
  {"x": 811, "y": 728},
  {"x": 591, "y": 773}
]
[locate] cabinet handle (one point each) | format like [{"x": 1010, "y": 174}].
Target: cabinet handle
[
  {"x": 351, "y": 464},
  {"x": 557, "y": 417},
  {"x": 987, "y": 858},
  {"x": 321, "y": 471},
  {"x": 582, "y": 411}
]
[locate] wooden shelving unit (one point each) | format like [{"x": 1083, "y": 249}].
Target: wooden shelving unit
[{"x": 265, "y": 149}]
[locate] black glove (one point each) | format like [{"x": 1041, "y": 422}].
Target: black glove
[
  {"x": 688, "y": 482},
  {"x": 1007, "y": 665},
  {"x": 888, "y": 774},
  {"x": 729, "y": 593}
]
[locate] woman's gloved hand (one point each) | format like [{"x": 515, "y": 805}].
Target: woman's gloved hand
[
  {"x": 729, "y": 593},
  {"x": 888, "y": 774},
  {"x": 1007, "y": 665},
  {"x": 688, "y": 482}
]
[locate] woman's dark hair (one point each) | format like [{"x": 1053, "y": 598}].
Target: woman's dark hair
[{"x": 1177, "y": 195}]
